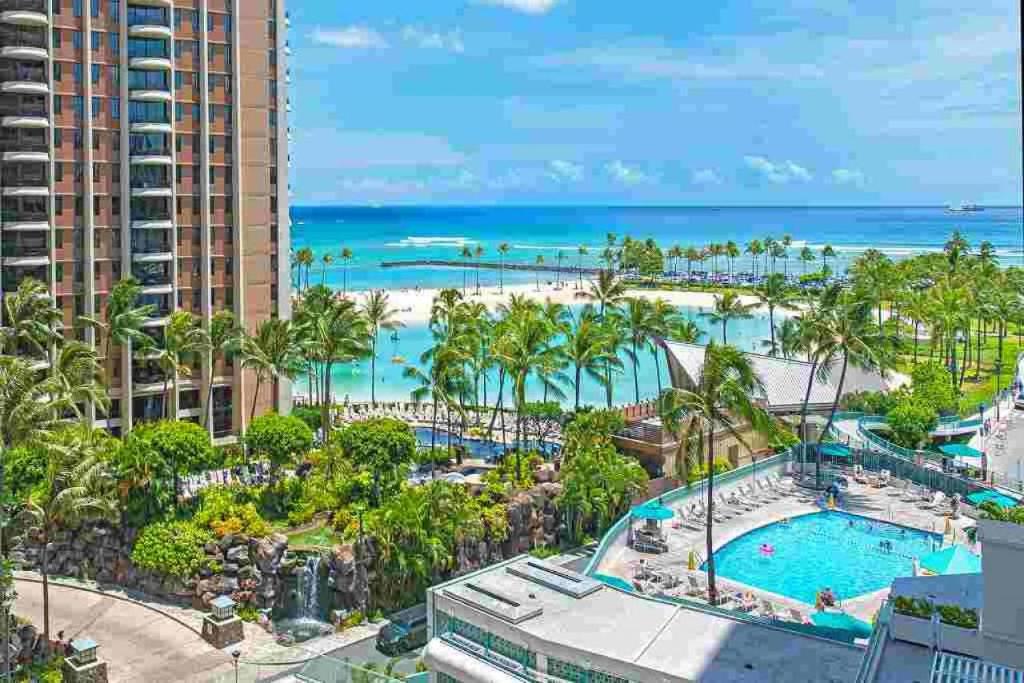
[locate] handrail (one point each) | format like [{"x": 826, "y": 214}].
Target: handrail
[
  {"x": 682, "y": 493},
  {"x": 876, "y": 645}
]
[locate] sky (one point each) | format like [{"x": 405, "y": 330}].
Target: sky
[{"x": 750, "y": 102}]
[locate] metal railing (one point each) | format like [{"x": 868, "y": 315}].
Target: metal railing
[{"x": 876, "y": 645}]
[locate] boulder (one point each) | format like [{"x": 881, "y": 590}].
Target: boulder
[{"x": 239, "y": 554}]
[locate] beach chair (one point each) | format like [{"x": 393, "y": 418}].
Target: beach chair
[
  {"x": 768, "y": 610},
  {"x": 798, "y": 616},
  {"x": 912, "y": 494},
  {"x": 936, "y": 500},
  {"x": 733, "y": 509},
  {"x": 695, "y": 587},
  {"x": 745, "y": 602},
  {"x": 772, "y": 493},
  {"x": 753, "y": 492},
  {"x": 742, "y": 498}
]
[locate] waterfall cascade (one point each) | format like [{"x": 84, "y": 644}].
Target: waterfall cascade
[
  {"x": 309, "y": 589},
  {"x": 305, "y": 620}
]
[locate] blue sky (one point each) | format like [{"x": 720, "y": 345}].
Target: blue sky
[{"x": 595, "y": 101}]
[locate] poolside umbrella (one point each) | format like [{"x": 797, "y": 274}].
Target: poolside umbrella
[
  {"x": 652, "y": 511},
  {"x": 989, "y": 496},
  {"x": 836, "y": 450},
  {"x": 954, "y": 559},
  {"x": 842, "y": 621},
  {"x": 960, "y": 450}
]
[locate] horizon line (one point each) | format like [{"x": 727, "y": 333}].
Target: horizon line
[{"x": 381, "y": 205}]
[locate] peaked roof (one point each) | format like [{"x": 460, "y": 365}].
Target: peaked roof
[{"x": 785, "y": 380}]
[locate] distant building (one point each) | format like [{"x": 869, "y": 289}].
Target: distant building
[{"x": 527, "y": 619}]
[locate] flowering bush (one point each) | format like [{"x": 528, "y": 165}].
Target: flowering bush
[{"x": 174, "y": 548}]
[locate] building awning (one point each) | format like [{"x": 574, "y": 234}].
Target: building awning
[
  {"x": 955, "y": 559},
  {"x": 989, "y": 496},
  {"x": 836, "y": 450},
  {"x": 462, "y": 666},
  {"x": 960, "y": 450}
]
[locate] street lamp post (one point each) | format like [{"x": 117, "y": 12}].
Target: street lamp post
[{"x": 235, "y": 654}]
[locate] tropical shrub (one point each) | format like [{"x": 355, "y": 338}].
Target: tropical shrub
[
  {"x": 954, "y": 615},
  {"x": 992, "y": 511},
  {"x": 911, "y": 423},
  {"x": 598, "y": 484},
  {"x": 174, "y": 548},
  {"x": 504, "y": 475},
  {"x": 588, "y": 427},
  {"x": 25, "y": 467},
  {"x": 700, "y": 471},
  {"x": 184, "y": 446},
  {"x": 932, "y": 386},
  {"x": 221, "y": 511},
  {"x": 870, "y": 402},
  {"x": 913, "y": 607},
  {"x": 384, "y": 447},
  {"x": 308, "y": 414},
  {"x": 282, "y": 439}
]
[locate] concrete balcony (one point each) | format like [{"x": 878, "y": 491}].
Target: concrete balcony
[
  {"x": 32, "y": 157},
  {"x": 154, "y": 3},
  {"x": 24, "y": 87},
  {"x": 26, "y": 261},
  {"x": 25, "y": 121},
  {"x": 152, "y": 63},
  {"x": 158, "y": 289},
  {"x": 151, "y": 159},
  {"x": 24, "y": 17},
  {"x": 154, "y": 257},
  {"x": 31, "y": 191},
  {"x": 151, "y": 127},
  {"x": 151, "y": 191},
  {"x": 150, "y": 31},
  {"x": 26, "y": 226},
  {"x": 151, "y": 95},
  {"x": 24, "y": 52},
  {"x": 153, "y": 224},
  {"x": 156, "y": 322}
]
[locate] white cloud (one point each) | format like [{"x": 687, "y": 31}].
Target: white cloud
[
  {"x": 848, "y": 176},
  {"x": 450, "y": 41},
  {"x": 350, "y": 38},
  {"x": 525, "y": 6},
  {"x": 627, "y": 175},
  {"x": 705, "y": 176},
  {"x": 565, "y": 171},
  {"x": 778, "y": 173}
]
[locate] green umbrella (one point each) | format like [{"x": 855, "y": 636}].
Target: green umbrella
[
  {"x": 954, "y": 559},
  {"x": 989, "y": 496},
  {"x": 843, "y": 622},
  {"x": 653, "y": 511},
  {"x": 960, "y": 450}
]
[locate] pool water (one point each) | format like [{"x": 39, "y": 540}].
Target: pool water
[
  {"x": 850, "y": 554},
  {"x": 475, "y": 448}
]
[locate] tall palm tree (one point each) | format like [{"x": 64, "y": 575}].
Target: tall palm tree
[
  {"x": 340, "y": 334},
  {"x": 559, "y": 257},
  {"x": 692, "y": 254},
  {"x": 30, "y": 320},
  {"x": 540, "y": 262},
  {"x": 379, "y": 315},
  {"x": 326, "y": 261},
  {"x": 77, "y": 370},
  {"x": 728, "y": 307},
  {"x": 787, "y": 242},
  {"x": 827, "y": 252},
  {"x": 304, "y": 257},
  {"x": 674, "y": 254},
  {"x": 77, "y": 485},
  {"x": 581, "y": 251},
  {"x": 732, "y": 252},
  {"x": 755, "y": 249},
  {"x": 608, "y": 291},
  {"x": 467, "y": 254},
  {"x": 441, "y": 382},
  {"x": 124, "y": 318},
  {"x": 503, "y": 250},
  {"x": 721, "y": 400},
  {"x": 478, "y": 252},
  {"x": 662, "y": 321},
  {"x": 807, "y": 256},
  {"x": 272, "y": 352},
  {"x": 346, "y": 257},
  {"x": 775, "y": 294},
  {"x": 225, "y": 337},
  {"x": 637, "y": 318},
  {"x": 786, "y": 340},
  {"x": 587, "y": 350},
  {"x": 183, "y": 341}
]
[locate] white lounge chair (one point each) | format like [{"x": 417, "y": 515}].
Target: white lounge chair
[
  {"x": 936, "y": 500},
  {"x": 696, "y": 587},
  {"x": 798, "y": 616}
]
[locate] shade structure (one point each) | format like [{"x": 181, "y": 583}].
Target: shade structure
[
  {"x": 960, "y": 450},
  {"x": 836, "y": 450},
  {"x": 653, "y": 511},
  {"x": 614, "y": 581},
  {"x": 954, "y": 559},
  {"x": 842, "y": 622},
  {"x": 1000, "y": 499}
]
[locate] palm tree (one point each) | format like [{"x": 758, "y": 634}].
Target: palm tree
[
  {"x": 184, "y": 339},
  {"x": 467, "y": 254},
  {"x": 559, "y": 257},
  {"x": 379, "y": 315},
  {"x": 608, "y": 256},
  {"x": 728, "y": 306},
  {"x": 124, "y": 318},
  {"x": 826, "y": 253},
  {"x": 346, "y": 256},
  {"x": 503, "y": 250},
  {"x": 339, "y": 334},
  {"x": 692, "y": 254},
  {"x": 775, "y": 294},
  {"x": 755, "y": 249},
  {"x": 720, "y": 400},
  {"x": 479, "y": 254},
  {"x": 77, "y": 371},
  {"x": 608, "y": 291},
  {"x": 225, "y": 337},
  {"x": 663, "y": 320},
  {"x": 637, "y": 318},
  {"x": 787, "y": 242},
  {"x": 326, "y": 260},
  {"x": 540, "y": 262},
  {"x": 30, "y": 320},
  {"x": 786, "y": 341},
  {"x": 304, "y": 257},
  {"x": 807, "y": 256},
  {"x": 76, "y": 486},
  {"x": 587, "y": 350},
  {"x": 271, "y": 353},
  {"x": 674, "y": 254},
  {"x": 732, "y": 252},
  {"x": 442, "y": 382}
]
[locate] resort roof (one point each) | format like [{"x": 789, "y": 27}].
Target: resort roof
[
  {"x": 785, "y": 380},
  {"x": 611, "y": 629}
]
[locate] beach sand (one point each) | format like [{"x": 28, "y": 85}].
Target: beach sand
[{"x": 414, "y": 306}]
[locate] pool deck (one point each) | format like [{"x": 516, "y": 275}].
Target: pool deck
[{"x": 878, "y": 503}]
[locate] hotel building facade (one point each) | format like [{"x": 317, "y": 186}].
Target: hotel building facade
[{"x": 149, "y": 138}]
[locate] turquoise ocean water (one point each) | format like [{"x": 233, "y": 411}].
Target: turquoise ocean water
[{"x": 383, "y": 234}]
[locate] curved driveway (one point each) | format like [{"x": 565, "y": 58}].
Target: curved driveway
[{"x": 138, "y": 644}]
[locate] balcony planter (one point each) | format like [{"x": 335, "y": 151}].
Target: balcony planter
[{"x": 951, "y": 638}]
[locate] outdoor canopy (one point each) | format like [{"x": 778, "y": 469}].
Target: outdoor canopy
[
  {"x": 653, "y": 511},
  {"x": 960, "y": 450},
  {"x": 954, "y": 559},
  {"x": 989, "y": 496},
  {"x": 842, "y": 621},
  {"x": 836, "y": 450}
]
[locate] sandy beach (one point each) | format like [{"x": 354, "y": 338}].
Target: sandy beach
[{"x": 414, "y": 305}]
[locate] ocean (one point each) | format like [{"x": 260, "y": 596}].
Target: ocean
[
  {"x": 376, "y": 235},
  {"x": 401, "y": 233}
]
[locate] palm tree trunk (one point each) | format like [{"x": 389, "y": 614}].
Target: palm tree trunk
[
  {"x": 803, "y": 419},
  {"x": 967, "y": 350},
  {"x": 636, "y": 376},
  {"x": 657, "y": 367},
  {"x": 497, "y": 402},
  {"x": 724, "y": 338},
  {"x": 373, "y": 370},
  {"x": 709, "y": 538},
  {"x": 433, "y": 436},
  {"x": 501, "y": 276},
  {"x": 831, "y": 417},
  {"x": 327, "y": 401},
  {"x": 44, "y": 569},
  {"x": 977, "y": 357},
  {"x": 209, "y": 393},
  {"x": 167, "y": 399},
  {"x": 255, "y": 396},
  {"x": 917, "y": 327},
  {"x": 579, "y": 373},
  {"x": 608, "y": 382},
  {"x": 771, "y": 324}
]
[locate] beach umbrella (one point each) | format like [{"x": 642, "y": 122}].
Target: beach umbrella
[
  {"x": 990, "y": 496},
  {"x": 652, "y": 511},
  {"x": 960, "y": 450},
  {"x": 843, "y": 622},
  {"x": 954, "y": 559}
]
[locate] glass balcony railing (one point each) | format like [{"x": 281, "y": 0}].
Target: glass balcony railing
[
  {"x": 150, "y": 245},
  {"x": 24, "y": 245},
  {"x": 147, "y": 409},
  {"x": 23, "y": 143},
  {"x": 15, "y": 179},
  {"x": 24, "y": 5},
  {"x": 139, "y": 79},
  {"x": 147, "y": 373},
  {"x": 148, "y": 47},
  {"x": 13, "y": 36},
  {"x": 148, "y": 16},
  {"x": 23, "y": 72},
  {"x": 153, "y": 181},
  {"x": 152, "y": 274}
]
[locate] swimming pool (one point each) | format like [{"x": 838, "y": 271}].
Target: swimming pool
[
  {"x": 475, "y": 448},
  {"x": 847, "y": 553}
]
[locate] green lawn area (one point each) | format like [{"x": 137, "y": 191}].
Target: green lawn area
[
  {"x": 317, "y": 536},
  {"x": 977, "y": 388}
]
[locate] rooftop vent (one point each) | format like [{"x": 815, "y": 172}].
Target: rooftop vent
[
  {"x": 550, "y": 576},
  {"x": 492, "y": 602}
]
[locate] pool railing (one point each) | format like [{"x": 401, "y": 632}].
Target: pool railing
[
  {"x": 876, "y": 645},
  {"x": 677, "y": 495}
]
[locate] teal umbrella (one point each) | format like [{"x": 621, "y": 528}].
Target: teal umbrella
[
  {"x": 989, "y": 496},
  {"x": 954, "y": 559},
  {"x": 836, "y": 450},
  {"x": 960, "y": 450},
  {"x": 653, "y": 511},
  {"x": 843, "y": 622}
]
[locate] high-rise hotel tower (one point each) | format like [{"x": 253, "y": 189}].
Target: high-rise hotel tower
[{"x": 149, "y": 138}]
